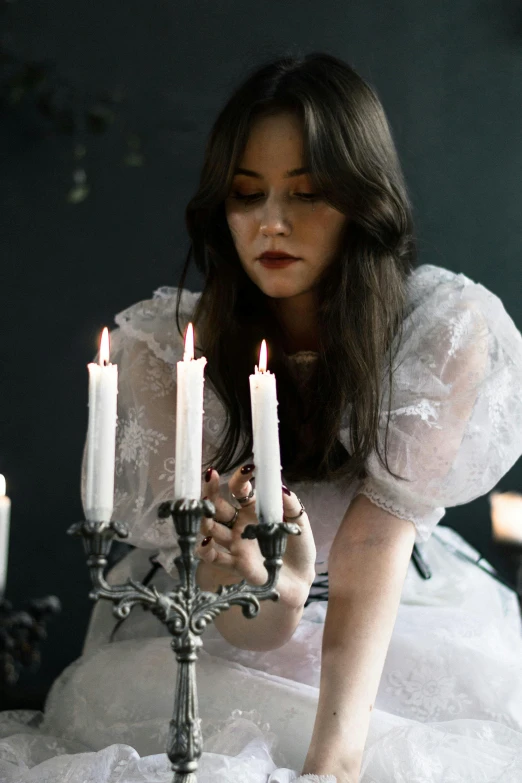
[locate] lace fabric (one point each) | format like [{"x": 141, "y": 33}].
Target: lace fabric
[
  {"x": 455, "y": 415},
  {"x": 449, "y": 703},
  {"x": 456, "y": 411}
]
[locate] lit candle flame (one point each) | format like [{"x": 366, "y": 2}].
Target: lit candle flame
[
  {"x": 2, "y": 484},
  {"x": 262, "y": 357},
  {"x": 105, "y": 351},
  {"x": 189, "y": 343}
]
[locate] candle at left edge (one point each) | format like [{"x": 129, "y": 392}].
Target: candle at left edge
[
  {"x": 5, "y": 514},
  {"x": 101, "y": 435}
]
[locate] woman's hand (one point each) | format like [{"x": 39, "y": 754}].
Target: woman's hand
[{"x": 224, "y": 549}]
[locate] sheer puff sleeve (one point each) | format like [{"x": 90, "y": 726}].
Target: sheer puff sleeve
[
  {"x": 146, "y": 346},
  {"x": 456, "y": 407}
]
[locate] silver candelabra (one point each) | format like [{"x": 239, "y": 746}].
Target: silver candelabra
[{"x": 186, "y": 610}]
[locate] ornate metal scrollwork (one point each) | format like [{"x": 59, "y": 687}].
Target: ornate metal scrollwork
[{"x": 187, "y": 610}]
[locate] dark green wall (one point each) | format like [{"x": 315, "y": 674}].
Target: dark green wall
[{"x": 449, "y": 74}]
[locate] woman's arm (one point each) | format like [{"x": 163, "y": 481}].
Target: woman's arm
[{"x": 366, "y": 571}]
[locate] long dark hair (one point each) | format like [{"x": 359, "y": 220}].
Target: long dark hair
[{"x": 354, "y": 166}]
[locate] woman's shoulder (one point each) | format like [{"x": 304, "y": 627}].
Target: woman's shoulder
[
  {"x": 162, "y": 305},
  {"x": 153, "y": 321},
  {"x": 452, "y": 300},
  {"x": 458, "y": 329},
  {"x": 429, "y": 282}
]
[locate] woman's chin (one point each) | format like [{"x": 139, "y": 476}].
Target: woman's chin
[{"x": 279, "y": 289}]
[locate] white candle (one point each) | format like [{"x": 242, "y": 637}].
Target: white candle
[
  {"x": 189, "y": 422},
  {"x": 506, "y": 517},
  {"x": 5, "y": 514},
  {"x": 101, "y": 435},
  {"x": 265, "y": 430}
]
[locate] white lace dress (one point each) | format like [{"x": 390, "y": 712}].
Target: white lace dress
[{"x": 449, "y": 703}]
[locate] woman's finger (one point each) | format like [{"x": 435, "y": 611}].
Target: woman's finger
[
  {"x": 219, "y": 532},
  {"x": 240, "y": 486},
  {"x": 211, "y": 490},
  {"x": 300, "y": 550},
  {"x": 210, "y": 485},
  {"x": 292, "y": 507},
  {"x": 216, "y": 557}
]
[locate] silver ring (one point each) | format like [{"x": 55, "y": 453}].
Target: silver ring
[
  {"x": 298, "y": 515},
  {"x": 231, "y": 522},
  {"x": 245, "y": 497}
]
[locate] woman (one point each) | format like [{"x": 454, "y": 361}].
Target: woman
[{"x": 398, "y": 392}]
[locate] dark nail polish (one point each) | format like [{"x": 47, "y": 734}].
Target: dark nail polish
[
  {"x": 208, "y": 474},
  {"x": 205, "y": 498},
  {"x": 206, "y": 541},
  {"x": 247, "y": 469},
  {"x": 286, "y": 490}
]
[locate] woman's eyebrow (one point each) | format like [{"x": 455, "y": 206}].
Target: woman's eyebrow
[{"x": 291, "y": 173}]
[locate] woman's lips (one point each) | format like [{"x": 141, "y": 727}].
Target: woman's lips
[{"x": 277, "y": 263}]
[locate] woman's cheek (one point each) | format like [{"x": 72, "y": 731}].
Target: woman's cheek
[{"x": 236, "y": 225}]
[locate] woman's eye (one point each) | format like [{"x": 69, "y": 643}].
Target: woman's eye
[
  {"x": 254, "y": 196},
  {"x": 243, "y": 197}
]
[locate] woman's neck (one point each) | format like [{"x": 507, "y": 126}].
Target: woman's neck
[{"x": 297, "y": 316}]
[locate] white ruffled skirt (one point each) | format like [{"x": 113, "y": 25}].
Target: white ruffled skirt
[{"x": 448, "y": 708}]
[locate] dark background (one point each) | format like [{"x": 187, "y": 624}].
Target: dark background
[{"x": 449, "y": 73}]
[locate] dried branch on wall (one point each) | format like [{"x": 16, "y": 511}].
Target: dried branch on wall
[{"x": 68, "y": 110}]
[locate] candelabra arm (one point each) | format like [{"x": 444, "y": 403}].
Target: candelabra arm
[
  {"x": 186, "y": 610},
  {"x": 97, "y": 539},
  {"x": 272, "y": 540},
  {"x": 272, "y": 543}
]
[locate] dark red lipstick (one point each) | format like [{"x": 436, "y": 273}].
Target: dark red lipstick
[
  {"x": 276, "y": 255},
  {"x": 276, "y": 259}
]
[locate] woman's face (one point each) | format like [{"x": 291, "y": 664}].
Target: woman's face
[{"x": 279, "y": 213}]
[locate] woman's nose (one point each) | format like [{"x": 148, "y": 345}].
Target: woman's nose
[{"x": 274, "y": 219}]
